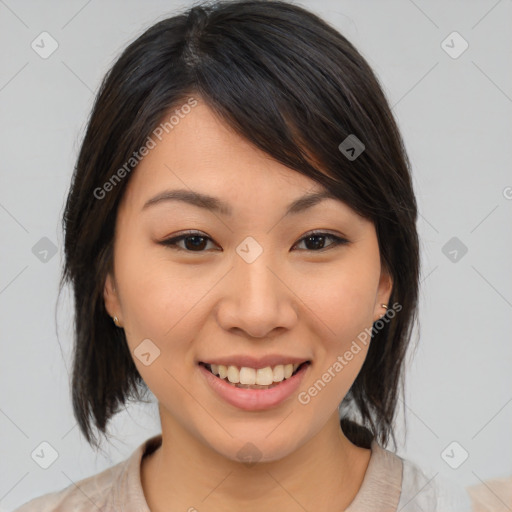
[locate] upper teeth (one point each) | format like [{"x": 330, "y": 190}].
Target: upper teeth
[{"x": 261, "y": 376}]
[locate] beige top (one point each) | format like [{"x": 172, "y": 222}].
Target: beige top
[
  {"x": 492, "y": 495},
  {"x": 390, "y": 484}
]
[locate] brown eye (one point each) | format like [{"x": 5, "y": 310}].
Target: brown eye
[
  {"x": 316, "y": 241},
  {"x": 193, "y": 242}
]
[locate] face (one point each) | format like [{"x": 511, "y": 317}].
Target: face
[{"x": 247, "y": 285}]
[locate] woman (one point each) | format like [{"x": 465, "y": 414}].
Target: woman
[{"x": 240, "y": 236}]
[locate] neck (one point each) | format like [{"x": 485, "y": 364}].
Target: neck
[{"x": 185, "y": 474}]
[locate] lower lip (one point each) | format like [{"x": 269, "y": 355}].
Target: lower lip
[{"x": 254, "y": 399}]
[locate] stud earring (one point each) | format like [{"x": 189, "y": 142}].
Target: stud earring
[
  {"x": 116, "y": 320},
  {"x": 385, "y": 307}
]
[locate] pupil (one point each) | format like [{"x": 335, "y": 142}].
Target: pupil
[
  {"x": 317, "y": 245},
  {"x": 195, "y": 245}
]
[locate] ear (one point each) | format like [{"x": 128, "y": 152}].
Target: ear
[
  {"x": 383, "y": 294},
  {"x": 111, "y": 299}
]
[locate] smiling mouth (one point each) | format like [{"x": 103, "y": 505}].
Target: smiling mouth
[{"x": 251, "y": 378}]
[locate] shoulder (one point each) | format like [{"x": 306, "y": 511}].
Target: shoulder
[
  {"x": 84, "y": 495},
  {"x": 422, "y": 492},
  {"x": 395, "y": 483},
  {"x": 113, "y": 489},
  {"x": 492, "y": 495}
]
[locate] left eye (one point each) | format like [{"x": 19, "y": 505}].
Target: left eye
[
  {"x": 195, "y": 241},
  {"x": 314, "y": 237}
]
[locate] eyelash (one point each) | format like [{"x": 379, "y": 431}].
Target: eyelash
[{"x": 172, "y": 242}]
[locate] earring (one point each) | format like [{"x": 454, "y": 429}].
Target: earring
[
  {"x": 385, "y": 307},
  {"x": 116, "y": 320}
]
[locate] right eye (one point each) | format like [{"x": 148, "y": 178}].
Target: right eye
[{"x": 194, "y": 241}]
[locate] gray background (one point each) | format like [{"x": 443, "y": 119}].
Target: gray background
[{"x": 455, "y": 116}]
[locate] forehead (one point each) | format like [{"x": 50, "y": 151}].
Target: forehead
[{"x": 205, "y": 154}]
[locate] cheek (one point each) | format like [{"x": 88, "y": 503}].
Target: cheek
[
  {"x": 163, "y": 301},
  {"x": 158, "y": 305},
  {"x": 342, "y": 299},
  {"x": 343, "y": 302},
  {"x": 157, "y": 294}
]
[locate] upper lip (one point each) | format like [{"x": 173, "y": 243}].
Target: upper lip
[{"x": 255, "y": 362}]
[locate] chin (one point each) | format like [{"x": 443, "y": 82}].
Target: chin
[{"x": 260, "y": 447}]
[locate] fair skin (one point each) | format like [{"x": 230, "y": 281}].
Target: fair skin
[{"x": 297, "y": 298}]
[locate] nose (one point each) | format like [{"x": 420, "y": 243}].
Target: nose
[{"x": 257, "y": 299}]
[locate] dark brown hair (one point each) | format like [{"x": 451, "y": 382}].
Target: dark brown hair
[{"x": 294, "y": 87}]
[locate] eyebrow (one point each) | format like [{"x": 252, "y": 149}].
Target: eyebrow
[{"x": 216, "y": 205}]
